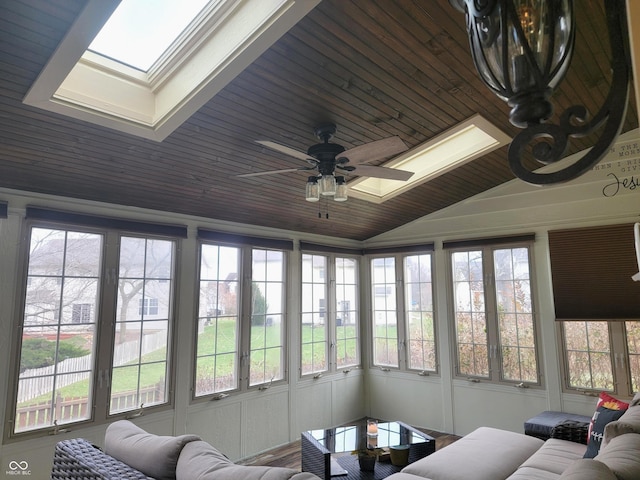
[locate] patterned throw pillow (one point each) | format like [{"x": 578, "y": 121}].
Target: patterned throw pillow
[{"x": 608, "y": 409}]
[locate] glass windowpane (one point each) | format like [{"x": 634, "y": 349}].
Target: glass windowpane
[{"x": 218, "y": 321}]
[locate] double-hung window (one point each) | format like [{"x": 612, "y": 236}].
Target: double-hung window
[
  {"x": 330, "y": 314},
  {"x": 403, "y": 329},
  {"x": 495, "y": 332},
  {"x": 87, "y": 350},
  {"x": 241, "y": 313}
]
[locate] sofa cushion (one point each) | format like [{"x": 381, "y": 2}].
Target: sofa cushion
[
  {"x": 588, "y": 469},
  {"x": 484, "y": 454},
  {"x": 530, "y": 473},
  {"x": 629, "y": 422},
  {"x": 154, "y": 455},
  {"x": 608, "y": 409},
  {"x": 402, "y": 476},
  {"x": 201, "y": 461},
  {"x": 555, "y": 456},
  {"x": 621, "y": 455}
]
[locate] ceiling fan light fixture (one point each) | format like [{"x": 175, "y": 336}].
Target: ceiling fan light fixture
[
  {"x": 341, "y": 190},
  {"x": 327, "y": 185},
  {"x": 312, "y": 190}
]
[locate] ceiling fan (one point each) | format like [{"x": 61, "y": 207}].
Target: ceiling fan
[{"x": 327, "y": 157}]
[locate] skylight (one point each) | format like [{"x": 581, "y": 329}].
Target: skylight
[
  {"x": 140, "y": 31},
  {"x": 457, "y": 146},
  {"x": 208, "y": 45}
]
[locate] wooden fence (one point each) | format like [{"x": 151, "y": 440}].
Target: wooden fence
[
  {"x": 77, "y": 408},
  {"x": 36, "y": 382}
]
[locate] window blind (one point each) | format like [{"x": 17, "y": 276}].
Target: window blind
[
  {"x": 425, "y": 247},
  {"x": 122, "y": 224},
  {"x": 591, "y": 270},
  {"x": 318, "y": 247},
  {"x": 245, "y": 240},
  {"x": 483, "y": 242}
]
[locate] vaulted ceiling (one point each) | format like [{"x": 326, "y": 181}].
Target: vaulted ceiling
[{"x": 375, "y": 68}]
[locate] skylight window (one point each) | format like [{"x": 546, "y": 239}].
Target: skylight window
[
  {"x": 455, "y": 147},
  {"x": 202, "y": 46},
  {"x": 140, "y": 31}
]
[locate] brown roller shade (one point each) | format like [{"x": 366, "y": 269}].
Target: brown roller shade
[
  {"x": 318, "y": 247},
  {"x": 591, "y": 271},
  {"x": 245, "y": 240},
  {"x": 123, "y": 224},
  {"x": 424, "y": 247},
  {"x": 483, "y": 242}
]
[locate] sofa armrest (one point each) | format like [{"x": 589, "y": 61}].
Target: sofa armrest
[
  {"x": 77, "y": 458},
  {"x": 571, "y": 430}
]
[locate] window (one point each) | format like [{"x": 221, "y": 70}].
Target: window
[
  {"x": 403, "y": 312},
  {"x": 241, "y": 327},
  {"x": 218, "y": 320},
  {"x": 74, "y": 364},
  {"x": 148, "y": 306},
  {"x": 347, "y": 289},
  {"x": 601, "y": 356},
  {"x": 421, "y": 342},
  {"x": 385, "y": 312},
  {"x": 140, "y": 356},
  {"x": 199, "y": 46},
  {"x": 266, "y": 346},
  {"x": 81, "y": 313},
  {"x": 599, "y": 327},
  {"x": 314, "y": 329},
  {"x": 493, "y": 310},
  {"x": 330, "y": 315}
]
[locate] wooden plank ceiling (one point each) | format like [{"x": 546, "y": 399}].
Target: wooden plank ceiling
[{"x": 376, "y": 68}]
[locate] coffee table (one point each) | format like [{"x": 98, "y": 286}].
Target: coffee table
[{"x": 327, "y": 453}]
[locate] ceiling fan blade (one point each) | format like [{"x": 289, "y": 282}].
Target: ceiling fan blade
[
  {"x": 382, "y": 172},
  {"x": 386, "y": 147},
  {"x": 273, "y": 172},
  {"x": 284, "y": 149}
]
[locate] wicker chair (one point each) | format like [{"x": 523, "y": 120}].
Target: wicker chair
[{"x": 78, "y": 459}]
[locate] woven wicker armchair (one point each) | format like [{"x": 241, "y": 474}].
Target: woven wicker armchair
[{"x": 79, "y": 459}]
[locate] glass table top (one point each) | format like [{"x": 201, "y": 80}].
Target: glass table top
[{"x": 353, "y": 437}]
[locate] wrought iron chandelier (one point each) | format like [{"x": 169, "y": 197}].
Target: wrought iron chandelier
[{"x": 522, "y": 49}]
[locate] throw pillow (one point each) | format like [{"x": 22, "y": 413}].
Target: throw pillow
[
  {"x": 153, "y": 455},
  {"x": 608, "y": 409}
]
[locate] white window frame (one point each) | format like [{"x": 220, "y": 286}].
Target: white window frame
[
  {"x": 328, "y": 311},
  {"x": 243, "y": 356},
  {"x": 397, "y": 290},
  {"x": 624, "y": 383},
  {"x": 495, "y": 372},
  {"x": 99, "y": 390}
]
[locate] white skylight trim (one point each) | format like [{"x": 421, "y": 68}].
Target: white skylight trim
[
  {"x": 453, "y": 148},
  {"x": 227, "y": 37}
]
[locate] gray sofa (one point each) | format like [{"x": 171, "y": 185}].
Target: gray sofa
[
  {"x": 493, "y": 454},
  {"x": 132, "y": 453}
]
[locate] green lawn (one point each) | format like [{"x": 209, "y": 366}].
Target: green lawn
[{"x": 216, "y": 339}]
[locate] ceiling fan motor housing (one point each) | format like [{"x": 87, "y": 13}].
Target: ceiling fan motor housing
[{"x": 326, "y": 154}]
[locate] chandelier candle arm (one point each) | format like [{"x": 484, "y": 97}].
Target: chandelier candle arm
[{"x": 522, "y": 49}]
